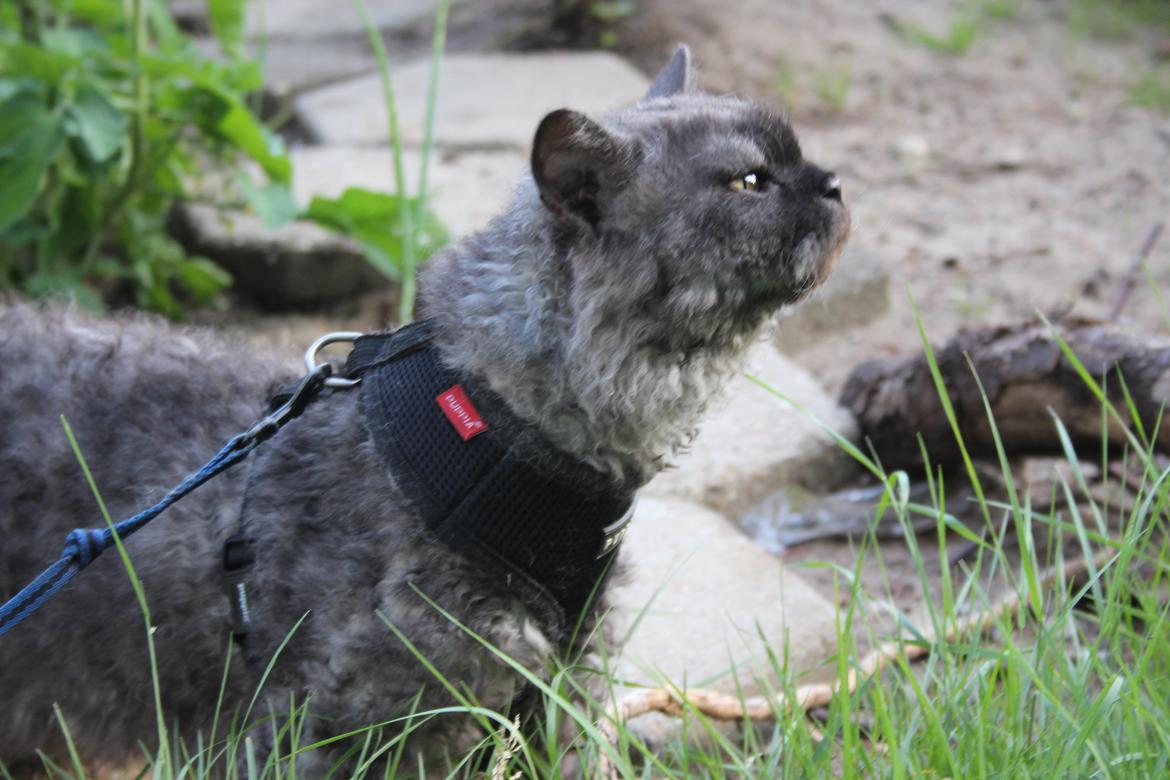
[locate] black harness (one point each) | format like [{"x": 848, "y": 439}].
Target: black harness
[{"x": 481, "y": 480}]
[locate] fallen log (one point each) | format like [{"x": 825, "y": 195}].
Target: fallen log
[{"x": 1025, "y": 375}]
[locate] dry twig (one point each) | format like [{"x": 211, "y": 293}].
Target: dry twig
[
  {"x": 724, "y": 706},
  {"x": 1138, "y": 260}
]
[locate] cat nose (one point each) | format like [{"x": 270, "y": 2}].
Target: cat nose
[{"x": 832, "y": 188}]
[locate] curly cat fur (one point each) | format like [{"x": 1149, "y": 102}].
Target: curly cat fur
[
  {"x": 615, "y": 340},
  {"x": 607, "y": 305}
]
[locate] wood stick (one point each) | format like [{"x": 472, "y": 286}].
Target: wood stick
[
  {"x": 1138, "y": 259},
  {"x": 724, "y": 706}
]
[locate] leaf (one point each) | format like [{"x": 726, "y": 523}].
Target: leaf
[
  {"x": 19, "y": 115},
  {"x": 100, "y": 13},
  {"x": 371, "y": 218},
  {"x": 221, "y": 113},
  {"x": 18, "y": 58},
  {"x": 274, "y": 203},
  {"x": 110, "y": 268},
  {"x": 246, "y": 133},
  {"x": 366, "y": 217},
  {"x": 13, "y": 86},
  {"x": 227, "y": 24},
  {"x": 202, "y": 278},
  {"x": 230, "y": 78},
  {"x": 63, "y": 285},
  {"x": 29, "y": 138},
  {"x": 611, "y": 11},
  {"x": 77, "y": 43},
  {"x": 99, "y": 126},
  {"x": 23, "y": 232}
]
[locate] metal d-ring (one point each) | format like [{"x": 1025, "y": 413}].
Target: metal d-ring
[{"x": 330, "y": 338}]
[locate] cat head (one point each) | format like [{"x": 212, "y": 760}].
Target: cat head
[{"x": 695, "y": 209}]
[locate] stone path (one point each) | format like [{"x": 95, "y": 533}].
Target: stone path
[
  {"x": 699, "y": 596},
  {"x": 486, "y": 101}
]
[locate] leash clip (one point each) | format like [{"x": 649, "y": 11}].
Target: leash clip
[
  {"x": 292, "y": 406},
  {"x": 331, "y": 338}
]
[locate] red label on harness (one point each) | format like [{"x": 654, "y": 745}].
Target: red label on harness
[{"x": 457, "y": 406}]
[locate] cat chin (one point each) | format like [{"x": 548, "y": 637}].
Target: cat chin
[{"x": 815, "y": 256}]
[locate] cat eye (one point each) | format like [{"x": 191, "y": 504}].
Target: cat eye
[{"x": 751, "y": 182}]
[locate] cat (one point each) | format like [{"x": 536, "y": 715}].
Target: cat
[{"x": 602, "y": 310}]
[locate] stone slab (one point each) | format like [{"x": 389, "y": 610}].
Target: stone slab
[
  {"x": 314, "y": 20},
  {"x": 485, "y": 101},
  {"x": 465, "y": 189},
  {"x": 753, "y": 443},
  {"x": 301, "y": 265},
  {"x": 317, "y": 20},
  {"x": 293, "y": 67},
  {"x": 296, "y": 266},
  {"x": 856, "y": 294},
  {"x": 699, "y": 596}
]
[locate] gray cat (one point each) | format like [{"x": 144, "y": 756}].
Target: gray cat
[{"x": 604, "y": 308}]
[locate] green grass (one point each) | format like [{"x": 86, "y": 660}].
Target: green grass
[
  {"x": 829, "y": 84},
  {"x": 1152, "y": 90},
  {"x": 1118, "y": 19},
  {"x": 1127, "y": 20},
  {"x": 1073, "y": 683},
  {"x": 972, "y": 19},
  {"x": 832, "y": 84}
]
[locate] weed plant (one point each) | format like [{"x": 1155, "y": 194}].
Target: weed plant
[{"x": 110, "y": 115}]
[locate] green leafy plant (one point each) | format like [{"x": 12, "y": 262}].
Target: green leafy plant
[
  {"x": 588, "y": 23},
  {"x": 413, "y": 231},
  {"x": 106, "y": 112},
  {"x": 110, "y": 115}
]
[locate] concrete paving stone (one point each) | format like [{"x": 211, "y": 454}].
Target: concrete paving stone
[
  {"x": 856, "y": 294},
  {"x": 699, "y": 596},
  {"x": 465, "y": 189},
  {"x": 312, "y": 21},
  {"x": 486, "y": 101},
  {"x": 317, "y": 20},
  {"x": 296, "y": 266},
  {"x": 293, "y": 67},
  {"x": 753, "y": 443},
  {"x": 302, "y": 265}
]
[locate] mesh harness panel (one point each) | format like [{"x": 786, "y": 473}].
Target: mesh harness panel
[{"x": 505, "y": 497}]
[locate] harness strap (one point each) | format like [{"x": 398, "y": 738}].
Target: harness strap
[{"x": 486, "y": 482}]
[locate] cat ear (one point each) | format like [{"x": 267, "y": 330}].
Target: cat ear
[
  {"x": 678, "y": 75},
  {"x": 573, "y": 158}
]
